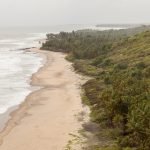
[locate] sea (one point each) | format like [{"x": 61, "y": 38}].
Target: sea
[{"x": 17, "y": 63}]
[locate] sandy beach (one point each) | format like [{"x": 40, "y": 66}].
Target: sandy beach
[{"x": 47, "y": 116}]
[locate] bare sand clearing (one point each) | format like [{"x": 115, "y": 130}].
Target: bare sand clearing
[{"x": 45, "y": 119}]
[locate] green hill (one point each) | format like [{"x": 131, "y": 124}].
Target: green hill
[{"x": 119, "y": 93}]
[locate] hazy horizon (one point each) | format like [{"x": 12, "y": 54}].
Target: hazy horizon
[{"x": 62, "y": 12}]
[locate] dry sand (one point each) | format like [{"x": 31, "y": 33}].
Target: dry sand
[{"x": 47, "y": 117}]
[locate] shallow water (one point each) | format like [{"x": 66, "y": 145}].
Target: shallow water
[{"x": 16, "y": 67}]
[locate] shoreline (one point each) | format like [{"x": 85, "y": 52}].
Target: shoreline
[
  {"x": 6, "y": 116},
  {"x": 28, "y": 109}
]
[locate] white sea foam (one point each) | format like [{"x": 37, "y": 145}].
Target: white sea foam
[{"x": 16, "y": 69}]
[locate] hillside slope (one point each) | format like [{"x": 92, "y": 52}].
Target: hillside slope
[{"x": 119, "y": 93}]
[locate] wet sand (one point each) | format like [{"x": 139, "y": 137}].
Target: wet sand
[{"x": 47, "y": 116}]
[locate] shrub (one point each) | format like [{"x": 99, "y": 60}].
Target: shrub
[
  {"x": 98, "y": 60},
  {"x": 106, "y": 63},
  {"x": 141, "y": 65},
  {"x": 121, "y": 66}
]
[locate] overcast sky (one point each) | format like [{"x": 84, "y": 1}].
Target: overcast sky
[{"x": 52, "y": 12}]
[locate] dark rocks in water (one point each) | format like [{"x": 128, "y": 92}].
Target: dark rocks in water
[
  {"x": 22, "y": 49},
  {"x": 27, "y": 48}
]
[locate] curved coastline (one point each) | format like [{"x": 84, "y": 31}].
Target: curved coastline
[
  {"x": 8, "y": 116},
  {"x": 61, "y": 84}
]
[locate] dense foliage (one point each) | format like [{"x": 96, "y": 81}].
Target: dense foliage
[{"x": 119, "y": 93}]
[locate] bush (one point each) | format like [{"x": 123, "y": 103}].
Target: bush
[
  {"x": 98, "y": 60},
  {"x": 107, "y": 80},
  {"x": 136, "y": 73},
  {"x": 141, "y": 65},
  {"x": 121, "y": 66},
  {"x": 86, "y": 68},
  {"x": 146, "y": 72},
  {"x": 106, "y": 63}
]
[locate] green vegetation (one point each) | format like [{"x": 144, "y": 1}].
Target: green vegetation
[{"x": 119, "y": 91}]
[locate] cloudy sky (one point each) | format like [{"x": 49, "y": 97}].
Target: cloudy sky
[{"x": 52, "y": 12}]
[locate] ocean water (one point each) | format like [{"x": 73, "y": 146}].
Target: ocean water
[
  {"x": 17, "y": 64},
  {"x": 16, "y": 67}
]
